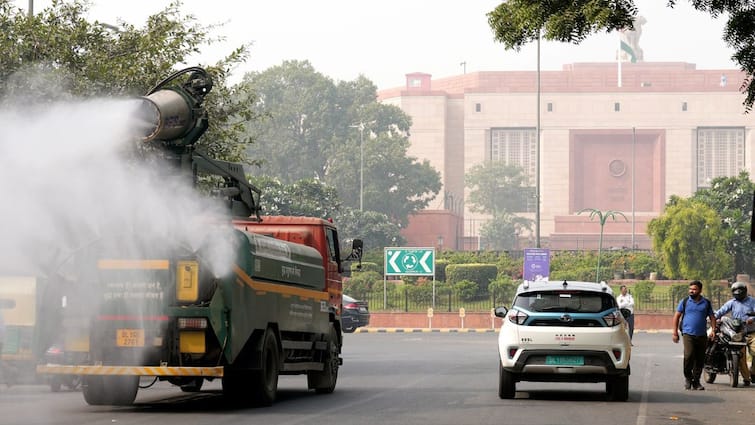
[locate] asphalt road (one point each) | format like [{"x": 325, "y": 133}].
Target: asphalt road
[{"x": 417, "y": 378}]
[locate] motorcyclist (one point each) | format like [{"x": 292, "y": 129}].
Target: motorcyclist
[{"x": 740, "y": 307}]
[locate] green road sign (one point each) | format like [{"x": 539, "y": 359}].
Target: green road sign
[{"x": 410, "y": 261}]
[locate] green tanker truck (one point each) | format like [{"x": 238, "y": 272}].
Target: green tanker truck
[{"x": 167, "y": 311}]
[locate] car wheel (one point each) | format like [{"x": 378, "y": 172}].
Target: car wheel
[
  {"x": 506, "y": 383},
  {"x": 348, "y": 330},
  {"x": 617, "y": 388}
]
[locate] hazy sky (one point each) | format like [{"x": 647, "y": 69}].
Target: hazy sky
[{"x": 384, "y": 40}]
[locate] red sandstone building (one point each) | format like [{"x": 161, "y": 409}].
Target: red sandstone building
[{"x": 664, "y": 129}]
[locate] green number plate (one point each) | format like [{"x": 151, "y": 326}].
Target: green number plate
[{"x": 565, "y": 360}]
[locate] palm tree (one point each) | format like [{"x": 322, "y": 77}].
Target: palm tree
[{"x": 603, "y": 216}]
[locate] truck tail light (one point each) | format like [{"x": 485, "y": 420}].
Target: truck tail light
[
  {"x": 187, "y": 281},
  {"x": 192, "y": 323}
]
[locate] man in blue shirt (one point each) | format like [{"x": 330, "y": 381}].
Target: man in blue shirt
[
  {"x": 693, "y": 312},
  {"x": 740, "y": 307}
]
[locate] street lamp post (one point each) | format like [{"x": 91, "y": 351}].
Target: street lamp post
[
  {"x": 360, "y": 126},
  {"x": 602, "y": 217}
]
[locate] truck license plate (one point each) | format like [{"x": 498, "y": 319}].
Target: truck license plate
[
  {"x": 565, "y": 360},
  {"x": 130, "y": 337}
]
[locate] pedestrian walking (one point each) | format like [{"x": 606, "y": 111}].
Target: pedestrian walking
[{"x": 690, "y": 320}]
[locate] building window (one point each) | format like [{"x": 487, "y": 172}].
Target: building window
[
  {"x": 720, "y": 153},
  {"x": 550, "y": 107},
  {"x": 415, "y": 82},
  {"x": 477, "y": 107},
  {"x": 517, "y": 146},
  {"x": 684, "y": 106},
  {"x": 617, "y": 107}
]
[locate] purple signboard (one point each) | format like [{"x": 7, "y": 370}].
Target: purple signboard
[{"x": 537, "y": 263}]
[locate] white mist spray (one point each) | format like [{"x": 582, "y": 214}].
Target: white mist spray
[{"x": 64, "y": 183}]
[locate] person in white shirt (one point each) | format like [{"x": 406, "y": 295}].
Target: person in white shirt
[{"x": 626, "y": 301}]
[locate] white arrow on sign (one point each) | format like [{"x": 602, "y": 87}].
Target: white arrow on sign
[
  {"x": 392, "y": 260},
  {"x": 423, "y": 261}
]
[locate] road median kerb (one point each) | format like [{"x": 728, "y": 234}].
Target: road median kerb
[
  {"x": 463, "y": 330},
  {"x": 424, "y": 330}
]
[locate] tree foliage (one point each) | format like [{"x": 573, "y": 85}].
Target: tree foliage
[
  {"x": 499, "y": 189},
  {"x": 376, "y": 229},
  {"x": 310, "y": 198},
  {"x": 57, "y": 54},
  {"x": 690, "y": 241},
  {"x": 503, "y": 231},
  {"x": 731, "y": 198},
  {"x": 313, "y": 198},
  {"x": 335, "y": 133},
  {"x": 518, "y": 22},
  {"x": 496, "y": 187}
]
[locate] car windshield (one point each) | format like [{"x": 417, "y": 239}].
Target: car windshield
[{"x": 565, "y": 301}]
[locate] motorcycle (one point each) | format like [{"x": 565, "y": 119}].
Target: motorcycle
[
  {"x": 723, "y": 353},
  {"x": 57, "y": 355}
]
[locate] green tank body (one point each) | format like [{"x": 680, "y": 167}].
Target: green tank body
[{"x": 283, "y": 262}]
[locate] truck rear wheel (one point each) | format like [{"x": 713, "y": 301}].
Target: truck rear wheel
[
  {"x": 110, "y": 390},
  {"x": 265, "y": 381},
  {"x": 325, "y": 382},
  {"x": 193, "y": 386}
]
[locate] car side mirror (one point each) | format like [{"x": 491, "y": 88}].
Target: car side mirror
[
  {"x": 625, "y": 312},
  {"x": 500, "y": 311}
]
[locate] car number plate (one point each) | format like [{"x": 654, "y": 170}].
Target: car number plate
[
  {"x": 565, "y": 360},
  {"x": 130, "y": 338}
]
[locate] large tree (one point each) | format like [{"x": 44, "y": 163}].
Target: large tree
[
  {"x": 497, "y": 187},
  {"x": 58, "y": 54},
  {"x": 501, "y": 190},
  {"x": 296, "y": 135},
  {"x": 518, "y": 22},
  {"x": 338, "y": 134},
  {"x": 690, "y": 241},
  {"x": 731, "y": 198},
  {"x": 313, "y": 198}
]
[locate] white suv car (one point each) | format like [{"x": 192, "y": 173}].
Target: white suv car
[{"x": 563, "y": 331}]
